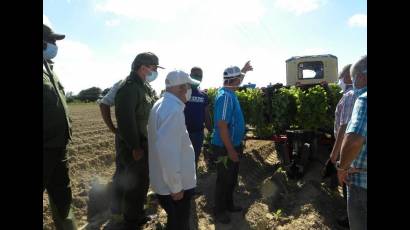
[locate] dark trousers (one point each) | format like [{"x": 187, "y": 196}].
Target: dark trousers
[
  {"x": 117, "y": 190},
  {"x": 57, "y": 182},
  {"x": 133, "y": 181},
  {"x": 178, "y": 212},
  {"x": 197, "y": 139},
  {"x": 226, "y": 180}
]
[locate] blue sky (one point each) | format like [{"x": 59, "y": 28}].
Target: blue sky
[{"x": 104, "y": 36}]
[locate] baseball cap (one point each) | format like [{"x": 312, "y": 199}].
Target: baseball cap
[
  {"x": 49, "y": 34},
  {"x": 146, "y": 58},
  {"x": 179, "y": 77},
  {"x": 232, "y": 72}
]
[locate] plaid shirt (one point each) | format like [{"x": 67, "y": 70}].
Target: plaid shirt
[
  {"x": 358, "y": 125},
  {"x": 344, "y": 109}
]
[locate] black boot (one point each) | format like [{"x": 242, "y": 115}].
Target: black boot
[
  {"x": 343, "y": 222},
  {"x": 222, "y": 217},
  {"x": 234, "y": 208}
]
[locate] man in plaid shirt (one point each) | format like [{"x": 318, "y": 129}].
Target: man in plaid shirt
[
  {"x": 352, "y": 168},
  {"x": 342, "y": 117}
]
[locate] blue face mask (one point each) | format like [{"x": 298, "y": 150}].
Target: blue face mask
[
  {"x": 50, "y": 52},
  {"x": 354, "y": 83},
  {"x": 357, "y": 91},
  {"x": 152, "y": 76}
]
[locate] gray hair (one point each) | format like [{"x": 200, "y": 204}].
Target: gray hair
[{"x": 359, "y": 68}]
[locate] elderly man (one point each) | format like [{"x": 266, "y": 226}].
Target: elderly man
[
  {"x": 56, "y": 135},
  {"x": 342, "y": 117},
  {"x": 171, "y": 154},
  {"x": 352, "y": 168},
  {"x": 229, "y": 131}
]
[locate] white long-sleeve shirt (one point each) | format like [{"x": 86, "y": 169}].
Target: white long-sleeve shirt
[
  {"x": 171, "y": 154},
  {"x": 109, "y": 98}
]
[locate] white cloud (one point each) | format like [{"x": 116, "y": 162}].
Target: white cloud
[
  {"x": 312, "y": 51},
  {"x": 160, "y": 10},
  {"x": 79, "y": 67},
  {"x": 213, "y": 11},
  {"x": 46, "y": 21},
  {"x": 299, "y": 7},
  {"x": 358, "y": 20},
  {"x": 112, "y": 22},
  {"x": 213, "y": 55}
]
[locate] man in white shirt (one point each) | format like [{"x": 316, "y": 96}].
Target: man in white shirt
[{"x": 171, "y": 154}]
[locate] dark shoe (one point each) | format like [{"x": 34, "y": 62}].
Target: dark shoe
[
  {"x": 235, "y": 209},
  {"x": 223, "y": 218},
  {"x": 130, "y": 226},
  {"x": 112, "y": 225},
  {"x": 344, "y": 222}
]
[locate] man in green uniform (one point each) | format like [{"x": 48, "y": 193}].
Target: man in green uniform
[
  {"x": 133, "y": 103},
  {"x": 56, "y": 135}
]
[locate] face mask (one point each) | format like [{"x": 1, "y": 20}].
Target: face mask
[
  {"x": 342, "y": 85},
  {"x": 152, "y": 76},
  {"x": 50, "y": 52},
  {"x": 194, "y": 86},
  {"x": 354, "y": 83},
  {"x": 188, "y": 94},
  {"x": 198, "y": 78},
  {"x": 240, "y": 83}
]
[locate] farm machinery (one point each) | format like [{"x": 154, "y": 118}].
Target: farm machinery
[{"x": 297, "y": 146}]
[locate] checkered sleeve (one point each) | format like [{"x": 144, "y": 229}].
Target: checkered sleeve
[
  {"x": 347, "y": 108},
  {"x": 358, "y": 122}
]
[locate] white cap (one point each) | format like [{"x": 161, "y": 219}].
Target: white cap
[
  {"x": 179, "y": 77},
  {"x": 232, "y": 71}
]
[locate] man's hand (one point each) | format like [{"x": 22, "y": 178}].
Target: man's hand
[
  {"x": 233, "y": 155},
  {"x": 137, "y": 154},
  {"x": 178, "y": 195},
  {"x": 247, "y": 67},
  {"x": 342, "y": 177},
  {"x": 333, "y": 157}
]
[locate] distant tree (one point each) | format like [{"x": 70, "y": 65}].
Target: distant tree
[
  {"x": 91, "y": 94},
  {"x": 70, "y": 97},
  {"x": 69, "y": 94}
]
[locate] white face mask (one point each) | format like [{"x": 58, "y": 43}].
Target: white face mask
[
  {"x": 188, "y": 94},
  {"x": 50, "y": 52},
  {"x": 342, "y": 85}
]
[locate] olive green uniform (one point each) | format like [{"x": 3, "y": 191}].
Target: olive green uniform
[
  {"x": 56, "y": 135},
  {"x": 133, "y": 102}
]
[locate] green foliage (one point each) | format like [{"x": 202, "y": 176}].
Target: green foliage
[{"x": 287, "y": 107}]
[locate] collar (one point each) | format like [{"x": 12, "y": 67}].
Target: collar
[
  {"x": 228, "y": 89},
  {"x": 348, "y": 87},
  {"x": 360, "y": 91},
  {"x": 135, "y": 77},
  {"x": 174, "y": 98}
]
